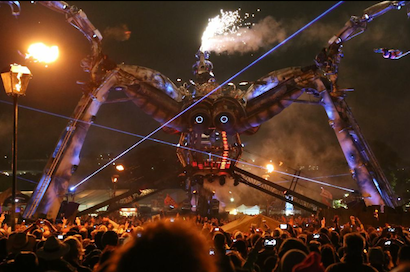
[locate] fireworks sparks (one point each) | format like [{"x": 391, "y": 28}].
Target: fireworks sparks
[
  {"x": 224, "y": 24},
  {"x": 229, "y": 33}
]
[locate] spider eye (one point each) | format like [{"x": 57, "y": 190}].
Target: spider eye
[{"x": 224, "y": 119}]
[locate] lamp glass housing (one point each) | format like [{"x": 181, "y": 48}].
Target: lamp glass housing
[{"x": 16, "y": 80}]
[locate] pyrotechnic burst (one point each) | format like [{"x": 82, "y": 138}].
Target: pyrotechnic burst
[
  {"x": 229, "y": 33},
  {"x": 225, "y": 23},
  {"x": 40, "y": 52}
]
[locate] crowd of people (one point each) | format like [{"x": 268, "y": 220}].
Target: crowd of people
[{"x": 194, "y": 243}]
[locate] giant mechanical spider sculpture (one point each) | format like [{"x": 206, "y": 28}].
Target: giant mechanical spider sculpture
[{"x": 210, "y": 129}]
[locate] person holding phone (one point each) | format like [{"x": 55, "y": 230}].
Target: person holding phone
[
  {"x": 223, "y": 261},
  {"x": 268, "y": 251}
]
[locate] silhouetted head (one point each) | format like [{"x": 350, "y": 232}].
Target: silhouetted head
[
  {"x": 163, "y": 246},
  {"x": 403, "y": 255},
  {"x": 270, "y": 263},
  {"x": 76, "y": 249},
  {"x": 241, "y": 247},
  {"x": 328, "y": 255},
  {"x": 353, "y": 244},
  {"x": 291, "y": 259},
  {"x": 97, "y": 239},
  {"x": 109, "y": 238},
  {"x": 335, "y": 239},
  {"x": 219, "y": 240},
  {"x": 292, "y": 243},
  {"x": 376, "y": 256},
  {"x": 26, "y": 261}
]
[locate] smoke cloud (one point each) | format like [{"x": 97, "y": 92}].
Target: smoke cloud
[
  {"x": 119, "y": 33},
  {"x": 260, "y": 35},
  {"x": 322, "y": 32},
  {"x": 230, "y": 197},
  {"x": 301, "y": 138}
]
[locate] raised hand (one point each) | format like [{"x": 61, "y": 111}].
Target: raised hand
[{"x": 323, "y": 222}]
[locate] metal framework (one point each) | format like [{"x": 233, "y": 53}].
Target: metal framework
[{"x": 229, "y": 110}]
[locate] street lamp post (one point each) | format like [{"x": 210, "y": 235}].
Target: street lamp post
[
  {"x": 114, "y": 180},
  {"x": 15, "y": 83}
]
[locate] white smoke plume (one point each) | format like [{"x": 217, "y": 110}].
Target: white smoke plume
[
  {"x": 119, "y": 33},
  {"x": 321, "y": 33},
  {"x": 225, "y": 34}
]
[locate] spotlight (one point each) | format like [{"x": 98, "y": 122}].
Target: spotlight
[{"x": 222, "y": 180}]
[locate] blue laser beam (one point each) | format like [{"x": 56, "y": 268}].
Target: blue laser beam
[
  {"x": 7, "y": 175},
  {"x": 330, "y": 176},
  {"x": 29, "y": 180},
  {"x": 198, "y": 101},
  {"x": 315, "y": 181}
]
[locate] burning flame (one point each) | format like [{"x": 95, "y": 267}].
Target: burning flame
[
  {"x": 18, "y": 85},
  {"x": 270, "y": 168},
  {"x": 42, "y": 53},
  {"x": 19, "y": 71}
]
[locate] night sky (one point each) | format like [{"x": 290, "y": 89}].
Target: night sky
[{"x": 165, "y": 37}]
